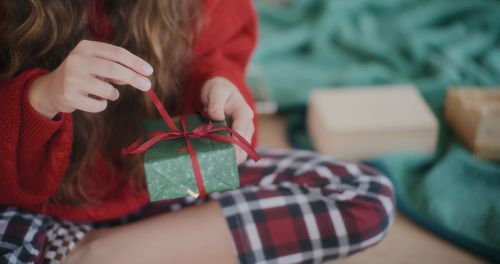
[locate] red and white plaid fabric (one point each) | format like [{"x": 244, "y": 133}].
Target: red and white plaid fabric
[
  {"x": 301, "y": 207},
  {"x": 293, "y": 207}
]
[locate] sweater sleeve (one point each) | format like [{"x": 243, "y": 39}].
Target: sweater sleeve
[
  {"x": 223, "y": 48},
  {"x": 35, "y": 150}
]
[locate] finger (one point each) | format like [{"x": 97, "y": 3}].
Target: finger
[
  {"x": 118, "y": 82},
  {"x": 217, "y": 98},
  {"x": 242, "y": 116},
  {"x": 87, "y": 104},
  {"x": 115, "y": 71},
  {"x": 110, "y": 80},
  {"x": 101, "y": 89},
  {"x": 117, "y": 54},
  {"x": 240, "y": 127},
  {"x": 244, "y": 127}
]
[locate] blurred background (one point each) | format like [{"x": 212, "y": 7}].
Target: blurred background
[{"x": 325, "y": 75}]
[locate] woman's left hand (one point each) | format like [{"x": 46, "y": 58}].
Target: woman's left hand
[{"x": 221, "y": 97}]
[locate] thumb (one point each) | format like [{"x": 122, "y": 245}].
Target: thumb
[{"x": 217, "y": 99}]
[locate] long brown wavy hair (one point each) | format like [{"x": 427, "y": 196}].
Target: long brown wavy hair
[{"x": 41, "y": 33}]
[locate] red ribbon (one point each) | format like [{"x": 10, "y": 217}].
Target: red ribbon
[{"x": 203, "y": 131}]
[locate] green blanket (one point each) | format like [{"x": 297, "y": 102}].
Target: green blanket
[{"x": 305, "y": 44}]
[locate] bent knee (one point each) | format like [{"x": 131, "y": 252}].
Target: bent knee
[{"x": 361, "y": 209}]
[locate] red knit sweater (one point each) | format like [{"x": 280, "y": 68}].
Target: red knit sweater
[{"x": 35, "y": 151}]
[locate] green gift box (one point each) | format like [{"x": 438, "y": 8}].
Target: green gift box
[{"x": 169, "y": 169}]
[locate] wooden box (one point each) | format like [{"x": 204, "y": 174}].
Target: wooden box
[
  {"x": 363, "y": 122},
  {"x": 474, "y": 116}
]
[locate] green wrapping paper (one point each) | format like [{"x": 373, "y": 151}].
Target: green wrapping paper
[{"x": 168, "y": 167}]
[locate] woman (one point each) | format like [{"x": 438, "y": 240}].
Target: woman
[{"x": 73, "y": 76}]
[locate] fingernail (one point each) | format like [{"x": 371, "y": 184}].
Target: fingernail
[
  {"x": 148, "y": 69},
  {"x": 145, "y": 84},
  {"x": 117, "y": 95},
  {"x": 218, "y": 114}
]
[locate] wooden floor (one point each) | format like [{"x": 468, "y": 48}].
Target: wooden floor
[{"x": 406, "y": 243}]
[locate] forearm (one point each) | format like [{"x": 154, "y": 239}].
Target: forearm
[{"x": 35, "y": 149}]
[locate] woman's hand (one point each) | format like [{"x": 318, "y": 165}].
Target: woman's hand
[
  {"x": 79, "y": 82},
  {"x": 220, "y": 98}
]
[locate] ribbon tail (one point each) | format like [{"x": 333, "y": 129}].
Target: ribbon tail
[
  {"x": 240, "y": 141},
  {"x": 137, "y": 148},
  {"x": 131, "y": 149}
]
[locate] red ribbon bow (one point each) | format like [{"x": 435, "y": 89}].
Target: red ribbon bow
[{"x": 203, "y": 131}]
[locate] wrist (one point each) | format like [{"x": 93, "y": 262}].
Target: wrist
[{"x": 38, "y": 98}]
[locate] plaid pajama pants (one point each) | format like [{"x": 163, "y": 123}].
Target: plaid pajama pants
[{"x": 293, "y": 207}]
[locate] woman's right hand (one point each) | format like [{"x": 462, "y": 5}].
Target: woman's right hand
[{"x": 78, "y": 83}]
